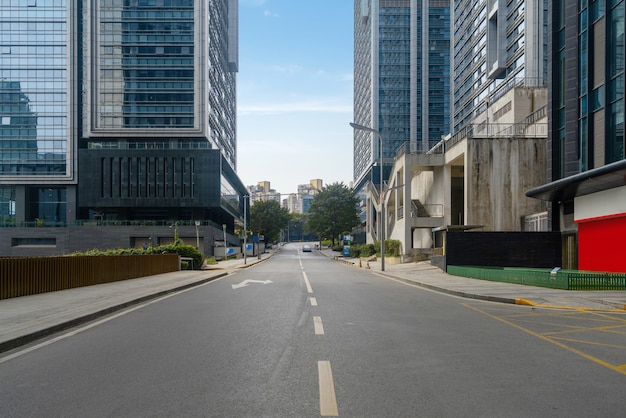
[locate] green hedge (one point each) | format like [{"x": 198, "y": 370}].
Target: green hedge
[{"x": 180, "y": 249}]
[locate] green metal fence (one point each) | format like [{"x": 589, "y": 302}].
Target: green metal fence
[
  {"x": 31, "y": 275},
  {"x": 562, "y": 279},
  {"x": 584, "y": 280}
]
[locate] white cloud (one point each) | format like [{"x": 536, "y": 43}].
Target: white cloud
[
  {"x": 268, "y": 13},
  {"x": 287, "y": 69}
]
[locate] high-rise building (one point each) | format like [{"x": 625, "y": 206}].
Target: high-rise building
[
  {"x": 38, "y": 169},
  {"x": 587, "y": 161},
  {"x": 497, "y": 44},
  {"x": 119, "y": 110},
  {"x": 401, "y": 80}
]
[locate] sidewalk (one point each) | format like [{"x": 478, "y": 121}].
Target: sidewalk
[
  {"x": 29, "y": 318},
  {"x": 426, "y": 275}
]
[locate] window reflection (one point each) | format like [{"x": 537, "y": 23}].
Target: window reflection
[{"x": 33, "y": 123}]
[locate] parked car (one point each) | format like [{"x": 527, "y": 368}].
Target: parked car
[{"x": 306, "y": 248}]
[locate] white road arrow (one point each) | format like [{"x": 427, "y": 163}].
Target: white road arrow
[{"x": 247, "y": 282}]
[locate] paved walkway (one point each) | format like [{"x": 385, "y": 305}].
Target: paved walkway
[{"x": 26, "y": 319}]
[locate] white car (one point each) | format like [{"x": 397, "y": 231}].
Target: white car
[{"x": 306, "y": 248}]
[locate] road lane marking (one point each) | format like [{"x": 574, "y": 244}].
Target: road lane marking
[
  {"x": 328, "y": 400},
  {"x": 308, "y": 284},
  {"x": 319, "y": 327},
  {"x": 247, "y": 282},
  {"x": 616, "y": 368},
  {"x": 90, "y": 325},
  {"x": 313, "y": 301}
]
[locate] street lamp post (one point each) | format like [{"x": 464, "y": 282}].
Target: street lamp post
[
  {"x": 175, "y": 225},
  {"x": 197, "y": 236},
  {"x": 224, "y": 229},
  {"x": 382, "y": 199},
  {"x": 245, "y": 230}
]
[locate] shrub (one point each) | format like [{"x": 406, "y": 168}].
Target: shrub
[
  {"x": 392, "y": 247},
  {"x": 181, "y": 249},
  {"x": 368, "y": 250}
]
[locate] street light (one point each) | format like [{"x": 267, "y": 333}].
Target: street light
[
  {"x": 245, "y": 230},
  {"x": 197, "y": 236},
  {"x": 175, "y": 225},
  {"x": 382, "y": 199}
]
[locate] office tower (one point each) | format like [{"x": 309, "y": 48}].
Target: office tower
[
  {"x": 158, "y": 113},
  {"x": 587, "y": 165},
  {"x": 37, "y": 131},
  {"x": 401, "y": 80},
  {"x": 498, "y": 44},
  {"x": 119, "y": 110}
]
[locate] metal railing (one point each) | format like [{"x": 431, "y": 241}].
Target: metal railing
[
  {"x": 421, "y": 210},
  {"x": 12, "y": 223},
  {"x": 563, "y": 279},
  {"x": 492, "y": 130}
]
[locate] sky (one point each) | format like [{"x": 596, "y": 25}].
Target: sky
[{"x": 294, "y": 92}]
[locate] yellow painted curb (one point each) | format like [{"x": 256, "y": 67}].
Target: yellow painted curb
[{"x": 525, "y": 302}]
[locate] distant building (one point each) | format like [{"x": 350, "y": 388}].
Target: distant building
[
  {"x": 263, "y": 191},
  {"x": 299, "y": 202}
]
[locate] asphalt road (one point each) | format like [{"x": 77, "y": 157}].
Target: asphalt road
[{"x": 302, "y": 336}]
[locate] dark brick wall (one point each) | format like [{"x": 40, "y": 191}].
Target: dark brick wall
[{"x": 82, "y": 238}]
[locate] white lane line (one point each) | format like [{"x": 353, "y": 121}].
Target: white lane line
[
  {"x": 313, "y": 301},
  {"x": 328, "y": 401},
  {"x": 319, "y": 327},
  {"x": 308, "y": 284},
  {"x": 86, "y": 327}
]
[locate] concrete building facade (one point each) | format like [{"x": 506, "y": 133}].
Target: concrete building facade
[{"x": 476, "y": 179}]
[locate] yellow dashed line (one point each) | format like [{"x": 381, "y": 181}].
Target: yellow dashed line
[{"x": 618, "y": 369}]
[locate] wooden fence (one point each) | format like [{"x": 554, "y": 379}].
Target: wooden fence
[{"x": 31, "y": 275}]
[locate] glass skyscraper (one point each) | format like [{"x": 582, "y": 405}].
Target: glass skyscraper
[
  {"x": 586, "y": 86},
  {"x": 119, "y": 109},
  {"x": 402, "y": 80},
  {"x": 37, "y": 140},
  {"x": 498, "y": 44}
]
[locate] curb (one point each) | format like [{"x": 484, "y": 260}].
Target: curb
[
  {"x": 514, "y": 301},
  {"x": 37, "y": 335},
  {"x": 451, "y": 292}
]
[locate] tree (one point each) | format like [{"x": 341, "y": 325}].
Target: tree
[
  {"x": 333, "y": 211},
  {"x": 267, "y": 218}
]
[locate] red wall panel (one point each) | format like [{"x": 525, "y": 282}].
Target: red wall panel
[{"x": 602, "y": 244}]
